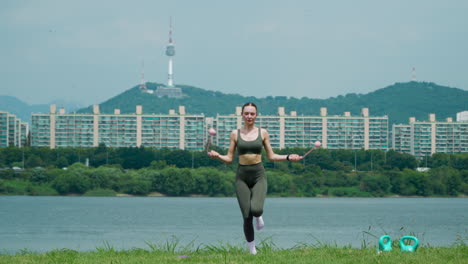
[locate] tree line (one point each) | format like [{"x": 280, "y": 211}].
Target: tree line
[{"x": 142, "y": 171}]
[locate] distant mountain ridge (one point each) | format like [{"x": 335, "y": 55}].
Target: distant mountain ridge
[
  {"x": 19, "y": 108},
  {"x": 23, "y": 110},
  {"x": 398, "y": 101}
]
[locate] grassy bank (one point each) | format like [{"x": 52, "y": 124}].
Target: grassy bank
[{"x": 231, "y": 254}]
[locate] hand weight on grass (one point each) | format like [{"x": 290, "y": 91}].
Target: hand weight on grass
[
  {"x": 408, "y": 248},
  {"x": 385, "y": 243}
]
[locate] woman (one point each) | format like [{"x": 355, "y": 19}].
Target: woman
[{"x": 251, "y": 183}]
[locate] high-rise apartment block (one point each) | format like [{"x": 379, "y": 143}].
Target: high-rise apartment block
[
  {"x": 179, "y": 130},
  {"x": 424, "y": 138},
  {"x": 183, "y": 131},
  {"x": 13, "y": 132},
  {"x": 462, "y": 116},
  {"x": 173, "y": 130},
  {"x": 335, "y": 132}
]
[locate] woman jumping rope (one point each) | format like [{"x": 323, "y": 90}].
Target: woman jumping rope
[{"x": 251, "y": 183}]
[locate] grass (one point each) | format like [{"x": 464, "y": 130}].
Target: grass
[{"x": 173, "y": 252}]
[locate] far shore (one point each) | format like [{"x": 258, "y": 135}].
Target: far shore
[{"x": 158, "y": 194}]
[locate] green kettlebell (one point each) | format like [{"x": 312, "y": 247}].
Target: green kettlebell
[
  {"x": 408, "y": 248},
  {"x": 385, "y": 243}
]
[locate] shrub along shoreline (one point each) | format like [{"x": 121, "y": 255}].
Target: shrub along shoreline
[
  {"x": 79, "y": 180},
  {"x": 142, "y": 171}
]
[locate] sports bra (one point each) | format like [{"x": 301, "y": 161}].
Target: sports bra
[{"x": 249, "y": 147}]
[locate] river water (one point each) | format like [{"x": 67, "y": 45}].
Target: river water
[{"x": 85, "y": 223}]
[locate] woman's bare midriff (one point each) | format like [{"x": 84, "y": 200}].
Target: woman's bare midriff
[{"x": 250, "y": 159}]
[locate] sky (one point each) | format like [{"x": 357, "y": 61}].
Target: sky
[{"x": 88, "y": 51}]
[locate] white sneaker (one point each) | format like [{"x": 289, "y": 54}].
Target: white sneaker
[
  {"x": 252, "y": 248},
  {"x": 260, "y": 224}
]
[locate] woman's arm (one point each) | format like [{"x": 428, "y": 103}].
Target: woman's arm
[
  {"x": 229, "y": 157},
  {"x": 272, "y": 156}
]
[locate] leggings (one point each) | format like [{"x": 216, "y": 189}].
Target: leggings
[{"x": 251, "y": 189}]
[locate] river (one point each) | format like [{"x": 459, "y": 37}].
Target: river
[{"x": 85, "y": 223}]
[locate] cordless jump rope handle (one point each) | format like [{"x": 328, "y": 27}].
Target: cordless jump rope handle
[{"x": 211, "y": 132}]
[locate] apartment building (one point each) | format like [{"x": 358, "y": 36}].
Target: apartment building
[
  {"x": 424, "y": 138},
  {"x": 293, "y": 130},
  {"x": 179, "y": 130},
  {"x": 172, "y": 130},
  {"x": 13, "y": 132}
]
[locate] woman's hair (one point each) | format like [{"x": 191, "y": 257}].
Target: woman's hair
[{"x": 249, "y": 104}]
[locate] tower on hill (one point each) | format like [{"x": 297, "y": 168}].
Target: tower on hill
[
  {"x": 169, "y": 90},
  {"x": 143, "y": 87},
  {"x": 413, "y": 74}
]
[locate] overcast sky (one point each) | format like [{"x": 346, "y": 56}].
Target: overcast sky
[{"x": 88, "y": 51}]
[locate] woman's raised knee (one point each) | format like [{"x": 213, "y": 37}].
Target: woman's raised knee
[{"x": 256, "y": 211}]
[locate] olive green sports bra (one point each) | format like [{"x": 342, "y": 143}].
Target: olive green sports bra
[{"x": 249, "y": 147}]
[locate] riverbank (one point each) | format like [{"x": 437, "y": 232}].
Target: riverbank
[
  {"x": 106, "y": 193},
  {"x": 235, "y": 254}
]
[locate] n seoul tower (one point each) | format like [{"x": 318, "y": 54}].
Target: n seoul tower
[
  {"x": 170, "y": 52},
  {"x": 170, "y": 90}
]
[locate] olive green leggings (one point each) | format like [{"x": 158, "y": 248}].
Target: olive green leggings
[{"x": 251, "y": 189}]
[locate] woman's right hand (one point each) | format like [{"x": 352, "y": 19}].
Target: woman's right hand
[
  {"x": 213, "y": 154},
  {"x": 295, "y": 157}
]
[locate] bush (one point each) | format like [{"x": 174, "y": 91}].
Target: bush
[
  {"x": 378, "y": 185},
  {"x": 104, "y": 177},
  {"x": 415, "y": 183},
  {"x": 14, "y": 187},
  {"x": 38, "y": 175},
  {"x": 348, "y": 192},
  {"x": 178, "y": 182},
  {"x": 100, "y": 192},
  {"x": 71, "y": 182},
  {"x": 215, "y": 184},
  {"x": 464, "y": 188},
  {"x": 132, "y": 183},
  {"x": 41, "y": 190},
  {"x": 279, "y": 182},
  {"x": 7, "y": 174}
]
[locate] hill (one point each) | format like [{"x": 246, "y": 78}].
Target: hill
[{"x": 399, "y": 101}]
